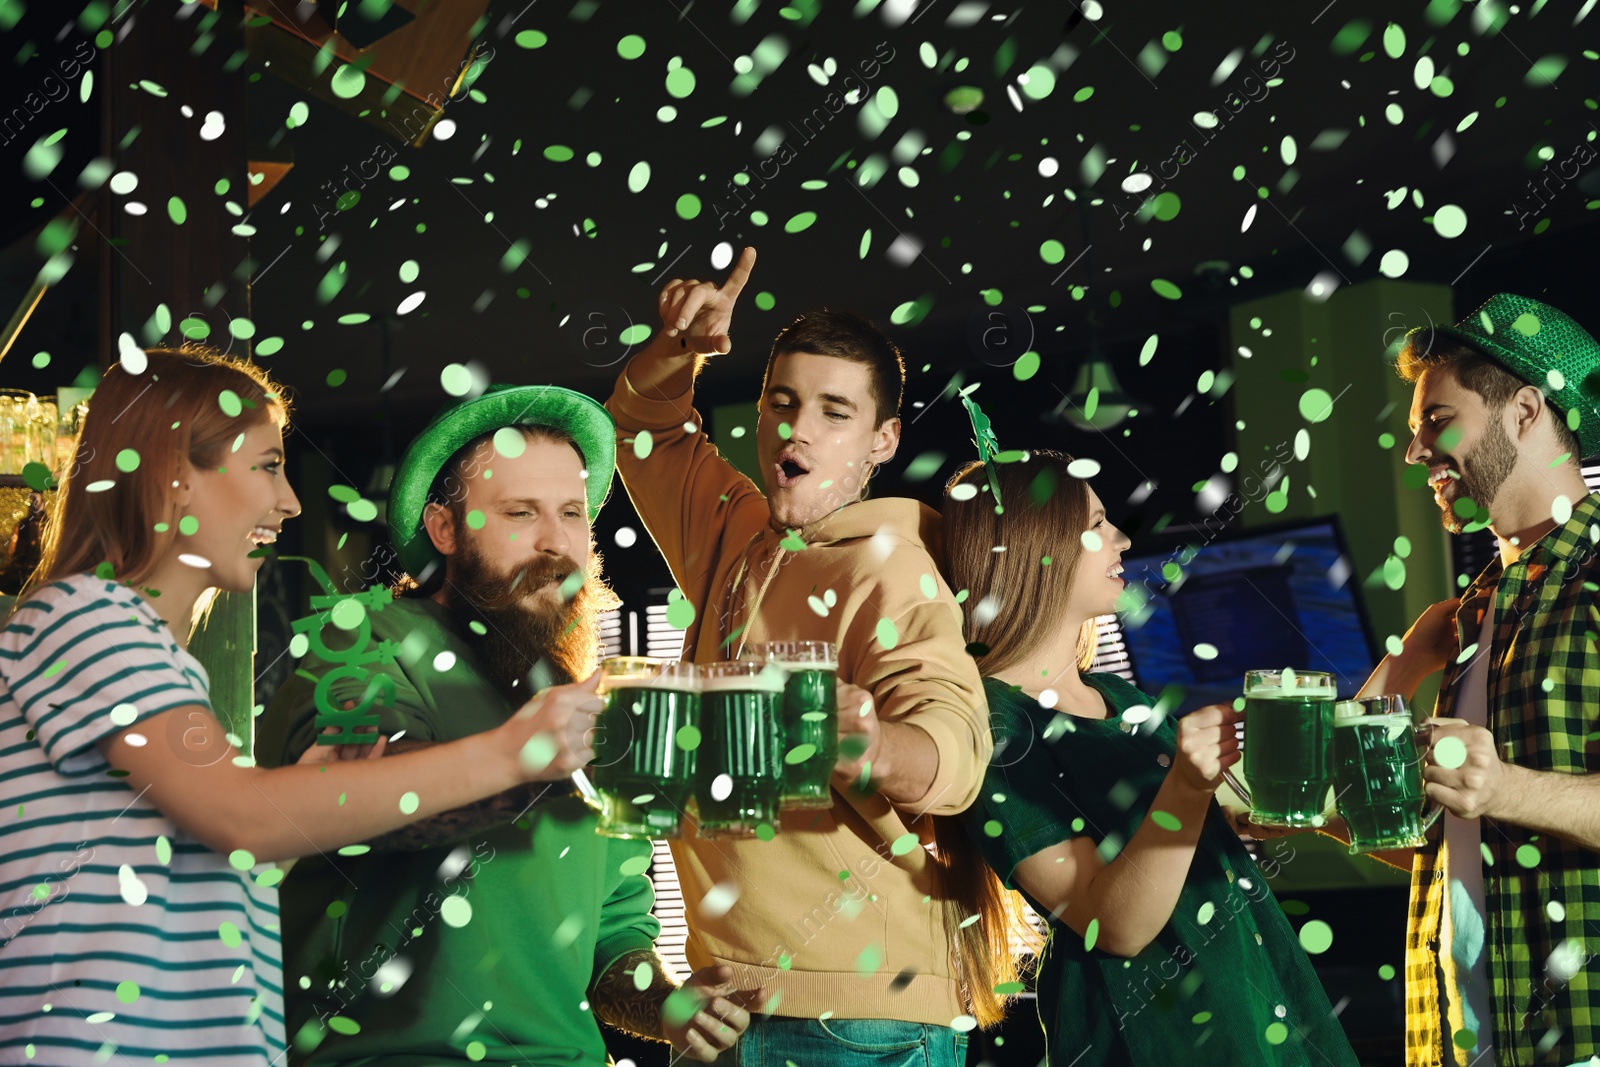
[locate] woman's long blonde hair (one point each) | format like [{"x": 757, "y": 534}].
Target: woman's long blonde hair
[
  {"x": 1011, "y": 595},
  {"x": 172, "y": 410}
]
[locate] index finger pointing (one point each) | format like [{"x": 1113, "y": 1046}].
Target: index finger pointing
[{"x": 741, "y": 272}]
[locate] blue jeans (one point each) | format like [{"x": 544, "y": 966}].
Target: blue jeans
[{"x": 772, "y": 1041}]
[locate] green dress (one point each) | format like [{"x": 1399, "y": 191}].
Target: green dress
[{"x": 1225, "y": 982}]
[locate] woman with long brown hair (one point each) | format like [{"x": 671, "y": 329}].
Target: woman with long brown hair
[
  {"x": 1164, "y": 938},
  {"x": 138, "y": 899}
]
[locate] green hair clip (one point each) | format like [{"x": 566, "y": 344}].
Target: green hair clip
[{"x": 987, "y": 444}]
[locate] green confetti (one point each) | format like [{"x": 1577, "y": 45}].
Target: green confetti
[
  {"x": 128, "y": 992},
  {"x": 409, "y": 803},
  {"x": 1091, "y": 935},
  {"x": 631, "y": 47},
  {"x": 1277, "y": 1033},
  {"x": 680, "y": 612},
  {"x": 1386, "y": 972},
  {"x": 347, "y": 82},
  {"x": 1083, "y": 94},
  {"x": 241, "y": 859},
  {"x": 1166, "y": 820},
  {"x": 687, "y": 738},
  {"x": 799, "y": 754},
  {"x": 1166, "y": 289},
  {"x": 870, "y": 959},
  {"x": 1316, "y": 405},
  {"x": 348, "y": 614},
  {"x": 1351, "y": 37},
  {"x": 230, "y": 934},
  {"x": 688, "y": 206},
  {"x": 1166, "y": 206},
  {"x": 1464, "y": 1039},
  {"x": 127, "y": 461},
  {"x": 680, "y": 1006},
  {"x": 1207, "y": 910},
  {"x": 558, "y": 153},
  {"x": 341, "y": 1024},
  {"x": 1052, "y": 251},
  {"x": 1450, "y": 753},
  {"x": 888, "y": 634},
  {"x": 766, "y": 301},
  {"x": 455, "y": 911},
  {"x": 680, "y": 82},
  {"x": 992, "y": 828},
  {"x": 1008, "y": 988},
  {"x": 531, "y": 39},
  {"x": 1316, "y": 936},
  {"x": 904, "y": 844},
  {"x": 634, "y": 865},
  {"x": 188, "y": 525},
  {"x": 643, "y": 442},
  {"x": 1026, "y": 366},
  {"x": 176, "y": 211},
  {"x": 1528, "y": 856},
  {"x": 230, "y": 403},
  {"x": 456, "y": 379},
  {"x": 800, "y": 222},
  {"x": 163, "y": 851}
]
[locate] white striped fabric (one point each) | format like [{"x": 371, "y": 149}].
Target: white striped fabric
[{"x": 121, "y": 938}]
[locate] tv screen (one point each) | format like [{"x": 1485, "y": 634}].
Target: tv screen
[{"x": 1263, "y": 599}]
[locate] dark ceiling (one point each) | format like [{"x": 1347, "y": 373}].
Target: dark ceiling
[{"x": 980, "y": 195}]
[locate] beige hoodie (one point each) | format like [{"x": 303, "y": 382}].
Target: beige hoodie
[{"x": 826, "y": 913}]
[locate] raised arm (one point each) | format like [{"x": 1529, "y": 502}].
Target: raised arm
[{"x": 696, "y": 319}]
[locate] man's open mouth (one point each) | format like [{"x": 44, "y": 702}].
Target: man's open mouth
[{"x": 789, "y": 471}]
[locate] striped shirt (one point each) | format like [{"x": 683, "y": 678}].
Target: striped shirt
[{"x": 118, "y": 932}]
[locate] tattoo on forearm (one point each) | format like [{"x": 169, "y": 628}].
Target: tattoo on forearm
[
  {"x": 449, "y": 827},
  {"x": 619, "y": 1002}
]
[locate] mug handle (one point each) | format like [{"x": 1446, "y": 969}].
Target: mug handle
[
  {"x": 1433, "y": 809},
  {"x": 1235, "y": 781}
]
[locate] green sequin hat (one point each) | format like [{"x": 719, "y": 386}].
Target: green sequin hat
[
  {"x": 1545, "y": 348},
  {"x": 579, "y": 416}
]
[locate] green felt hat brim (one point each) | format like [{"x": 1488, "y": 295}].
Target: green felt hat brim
[{"x": 581, "y": 417}]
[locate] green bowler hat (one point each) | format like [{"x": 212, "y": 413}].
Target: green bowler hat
[
  {"x": 579, "y": 416},
  {"x": 1545, "y": 348}
]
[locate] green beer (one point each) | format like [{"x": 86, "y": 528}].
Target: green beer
[
  {"x": 1288, "y": 719},
  {"x": 740, "y": 782},
  {"x": 645, "y": 746},
  {"x": 810, "y": 720},
  {"x": 1377, "y": 773}
]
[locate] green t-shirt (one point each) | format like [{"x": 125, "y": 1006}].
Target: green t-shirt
[
  {"x": 1225, "y": 968},
  {"x": 481, "y": 949}
]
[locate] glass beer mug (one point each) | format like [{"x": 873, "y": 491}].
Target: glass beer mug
[
  {"x": 1377, "y": 775},
  {"x": 1288, "y": 719}
]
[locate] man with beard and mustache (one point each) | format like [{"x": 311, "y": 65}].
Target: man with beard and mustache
[
  {"x": 506, "y": 930},
  {"x": 1504, "y": 900}
]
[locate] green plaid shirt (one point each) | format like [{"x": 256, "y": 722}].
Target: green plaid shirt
[{"x": 1544, "y": 712}]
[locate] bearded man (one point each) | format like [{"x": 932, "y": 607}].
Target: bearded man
[
  {"x": 498, "y": 932},
  {"x": 1498, "y": 964}
]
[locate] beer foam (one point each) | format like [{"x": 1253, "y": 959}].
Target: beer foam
[
  {"x": 1286, "y": 689},
  {"x": 765, "y": 682},
  {"x": 805, "y": 665},
  {"x": 649, "y": 681}
]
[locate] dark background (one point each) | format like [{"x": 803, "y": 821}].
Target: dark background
[{"x": 980, "y": 211}]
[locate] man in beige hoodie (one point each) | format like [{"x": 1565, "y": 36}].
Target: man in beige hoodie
[{"x": 841, "y": 914}]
